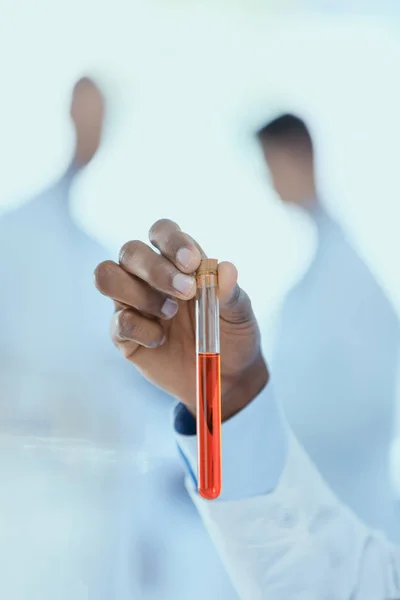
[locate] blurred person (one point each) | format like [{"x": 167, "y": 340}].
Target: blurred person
[
  {"x": 62, "y": 382},
  {"x": 50, "y": 392},
  {"x": 87, "y": 114},
  {"x": 338, "y": 337},
  {"x": 279, "y": 529}
]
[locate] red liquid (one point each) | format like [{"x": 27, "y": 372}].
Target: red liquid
[{"x": 209, "y": 425}]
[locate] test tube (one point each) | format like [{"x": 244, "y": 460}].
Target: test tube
[{"x": 208, "y": 406}]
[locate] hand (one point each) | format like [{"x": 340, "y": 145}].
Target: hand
[{"x": 154, "y": 322}]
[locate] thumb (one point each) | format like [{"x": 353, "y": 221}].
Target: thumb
[{"x": 235, "y": 305}]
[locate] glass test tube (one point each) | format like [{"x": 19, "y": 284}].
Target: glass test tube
[{"x": 208, "y": 381}]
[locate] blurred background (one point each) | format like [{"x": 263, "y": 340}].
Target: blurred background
[{"x": 113, "y": 115}]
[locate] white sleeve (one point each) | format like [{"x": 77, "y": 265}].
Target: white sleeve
[{"x": 299, "y": 542}]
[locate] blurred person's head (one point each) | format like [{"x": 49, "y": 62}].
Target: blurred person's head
[
  {"x": 87, "y": 114},
  {"x": 288, "y": 150}
]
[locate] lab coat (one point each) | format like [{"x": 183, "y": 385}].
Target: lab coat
[
  {"x": 334, "y": 367},
  {"x": 300, "y": 542},
  {"x": 280, "y": 530}
]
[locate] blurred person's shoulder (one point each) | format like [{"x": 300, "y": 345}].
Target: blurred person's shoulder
[
  {"x": 339, "y": 287},
  {"x": 26, "y": 212},
  {"x": 42, "y": 219}
]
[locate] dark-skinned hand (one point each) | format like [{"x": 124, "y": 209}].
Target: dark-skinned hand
[{"x": 154, "y": 323}]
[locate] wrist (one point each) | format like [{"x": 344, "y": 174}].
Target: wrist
[{"x": 239, "y": 392}]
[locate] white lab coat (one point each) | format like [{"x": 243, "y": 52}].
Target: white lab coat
[
  {"x": 334, "y": 368},
  {"x": 300, "y": 542}
]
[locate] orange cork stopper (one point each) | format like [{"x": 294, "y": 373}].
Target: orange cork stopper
[{"x": 208, "y": 266}]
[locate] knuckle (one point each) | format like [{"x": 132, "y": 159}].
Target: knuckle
[
  {"x": 159, "y": 227},
  {"x": 240, "y": 308},
  {"x": 148, "y": 302},
  {"x": 129, "y": 250},
  {"x": 236, "y": 297},
  {"x": 116, "y": 340},
  {"x": 157, "y": 272},
  {"x": 177, "y": 240},
  {"x": 102, "y": 273},
  {"x": 127, "y": 328}
]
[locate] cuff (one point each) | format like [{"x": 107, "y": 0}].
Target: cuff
[{"x": 254, "y": 447}]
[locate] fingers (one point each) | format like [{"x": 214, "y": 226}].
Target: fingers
[
  {"x": 171, "y": 271},
  {"x": 130, "y": 330},
  {"x": 175, "y": 245},
  {"x": 146, "y": 284},
  {"x": 138, "y": 259},
  {"x": 111, "y": 280},
  {"x": 235, "y": 305}
]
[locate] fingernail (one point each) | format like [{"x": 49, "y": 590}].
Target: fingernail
[
  {"x": 116, "y": 329},
  {"x": 169, "y": 308},
  {"x": 185, "y": 257},
  {"x": 157, "y": 343},
  {"x": 183, "y": 283}
]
